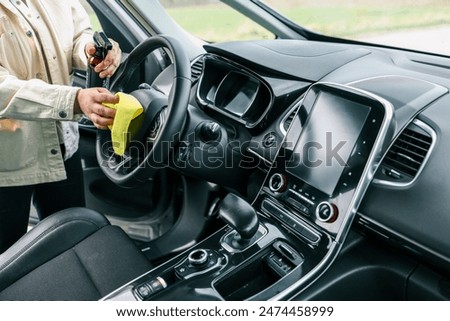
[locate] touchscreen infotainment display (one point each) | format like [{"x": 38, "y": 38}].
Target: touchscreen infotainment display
[{"x": 327, "y": 141}]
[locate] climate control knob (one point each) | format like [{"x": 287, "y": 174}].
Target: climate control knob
[
  {"x": 277, "y": 183},
  {"x": 326, "y": 212}
]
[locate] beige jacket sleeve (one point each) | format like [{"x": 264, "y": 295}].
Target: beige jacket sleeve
[{"x": 35, "y": 99}]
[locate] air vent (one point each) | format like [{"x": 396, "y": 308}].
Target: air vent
[
  {"x": 287, "y": 122},
  {"x": 407, "y": 156},
  {"x": 196, "y": 69},
  {"x": 408, "y": 152}
]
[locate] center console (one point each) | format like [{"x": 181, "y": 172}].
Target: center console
[
  {"x": 293, "y": 230},
  {"x": 320, "y": 175}
]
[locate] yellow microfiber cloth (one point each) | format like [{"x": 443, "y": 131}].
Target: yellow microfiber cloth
[{"x": 127, "y": 109}]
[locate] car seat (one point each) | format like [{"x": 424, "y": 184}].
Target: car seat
[{"x": 75, "y": 254}]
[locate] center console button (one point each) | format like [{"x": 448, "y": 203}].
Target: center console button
[
  {"x": 277, "y": 183},
  {"x": 148, "y": 288},
  {"x": 198, "y": 257},
  {"x": 326, "y": 212},
  {"x": 299, "y": 206},
  {"x": 311, "y": 236}
]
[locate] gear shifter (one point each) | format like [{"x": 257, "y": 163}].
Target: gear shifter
[{"x": 242, "y": 217}]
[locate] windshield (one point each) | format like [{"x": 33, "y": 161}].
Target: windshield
[
  {"x": 422, "y": 25},
  {"x": 414, "y": 24}
]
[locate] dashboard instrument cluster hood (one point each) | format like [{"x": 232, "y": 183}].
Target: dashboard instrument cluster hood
[{"x": 295, "y": 58}]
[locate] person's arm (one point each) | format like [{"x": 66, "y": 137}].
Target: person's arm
[{"x": 36, "y": 100}]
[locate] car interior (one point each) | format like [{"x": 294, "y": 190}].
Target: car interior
[{"x": 300, "y": 168}]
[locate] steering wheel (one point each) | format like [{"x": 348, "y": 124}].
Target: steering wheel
[{"x": 160, "y": 123}]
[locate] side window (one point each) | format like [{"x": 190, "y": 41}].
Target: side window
[
  {"x": 79, "y": 76},
  {"x": 96, "y": 26}
]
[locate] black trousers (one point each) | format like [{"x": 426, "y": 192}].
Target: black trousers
[{"x": 48, "y": 198}]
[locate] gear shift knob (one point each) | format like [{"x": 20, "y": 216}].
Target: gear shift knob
[{"x": 240, "y": 215}]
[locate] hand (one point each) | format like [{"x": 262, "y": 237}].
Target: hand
[
  {"x": 109, "y": 65},
  {"x": 89, "y": 102}
]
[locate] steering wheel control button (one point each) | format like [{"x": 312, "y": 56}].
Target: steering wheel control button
[
  {"x": 326, "y": 212},
  {"x": 277, "y": 183},
  {"x": 155, "y": 126},
  {"x": 198, "y": 257}
]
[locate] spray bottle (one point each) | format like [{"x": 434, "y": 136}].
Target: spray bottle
[{"x": 102, "y": 46}]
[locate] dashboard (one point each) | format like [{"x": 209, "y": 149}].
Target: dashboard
[
  {"x": 317, "y": 138},
  {"x": 404, "y": 187}
]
